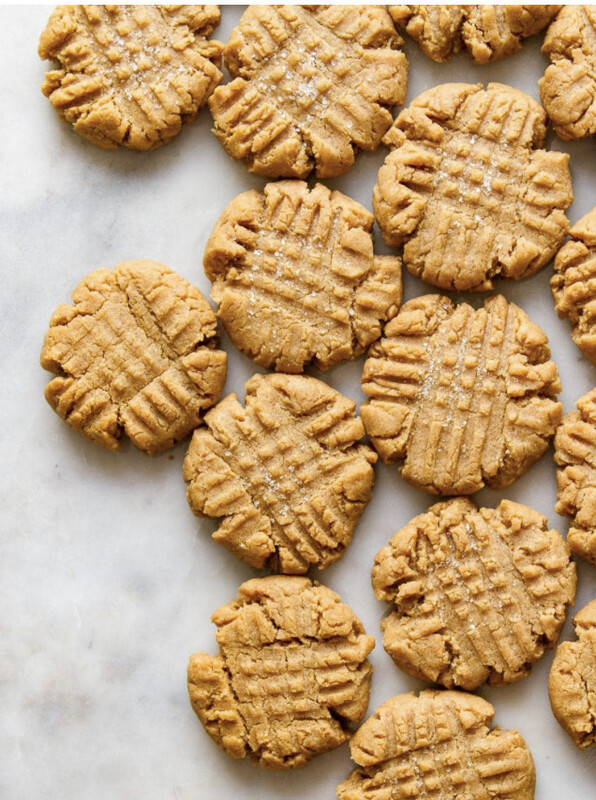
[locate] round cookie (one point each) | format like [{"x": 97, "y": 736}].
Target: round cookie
[
  {"x": 476, "y": 594},
  {"x": 568, "y": 88},
  {"x": 285, "y": 472},
  {"x": 575, "y": 455},
  {"x": 130, "y": 75},
  {"x": 466, "y": 190},
  {"x": 311, "y": 87},
  {"x": 291, "y": 673},
  {"x": 438, "y": 744},
  {"x": 572, "y": 680},
  {"x": 135, "y": 354},
  {"x": 466, "y": 397},
  {"x": 573, "y": 284},
  {"x": 485, "y": 33},
  {"x": 296, "y": 279}
]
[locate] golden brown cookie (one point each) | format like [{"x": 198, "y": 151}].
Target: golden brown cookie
[
  {"x": 477, "y": 594},
  {"x": 291, "y": 673},
  {"x": 285, "y": 471},
  {"x": 575, "y": 455},
  {"x": 437, "y": 745},
  {"x": 311, "y": 87},
  {"x": 130, "y": 75},
  {"x": 296, "y": 279},
  {"x": 466, "y": 190},
  {"x": 135, "y": 354},
  {"x": 485, "y": 33},
  {"x": 466, "y": 397},
  {"x": 568, "y": 88},
  {"x": 574, "y": 283},
  {"x": 572, "y": 680}
]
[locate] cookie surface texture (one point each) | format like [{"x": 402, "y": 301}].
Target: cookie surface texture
[
  {"x": 572, "y": 680},
  {"x": 477, "y": 594},
  {"x": 135, "y": 354},
  {"x": 130, "y": 75},
  {"x": 296, "y": 279},
  {"x": 466, "y": 189},
  {"x": 285, "y": 471},
  {"x": 311, "y": 87},
  {"x": 291, "y": 673},
  {"x": 574, "y": 283},
  {"x": 437, "y": 745},
  {"x": 575, "y": 455},
  {"x": 486, "y": 33},
  {"x": 465, "y": 397},
  {"x": 568, "y": 88}
]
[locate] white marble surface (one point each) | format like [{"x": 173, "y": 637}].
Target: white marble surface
[{"x": 107, "y": 580}]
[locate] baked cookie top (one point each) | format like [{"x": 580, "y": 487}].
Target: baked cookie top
[
  {"x": 291, "y": 673},
  {"x": 285, "y": 471},
  {"x": 467, "y": 190},
  {"x": 477, "y": 594},
  {"x": 485, "y": 33},
  {"x": 135, "y": 354},
  {"x": 130, "y": 75},
  {"x": 438, "y": 744},
  {"x": 575, "y": 455},
  {"x": 568, "y": 88},
  {"x": 465, "y": 397},
  {"x": 574, "y": 283},
  {"x": 311, "y": 87},
  {"x": 296, "y": 279},
  {"x": 572, "y": 680}
]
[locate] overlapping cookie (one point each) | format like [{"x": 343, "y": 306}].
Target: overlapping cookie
[
  {"x": 135, "y": 354},
  {"x": 296, "y": 279},
  {"x": 485, "y": 33},
  {"x": 290, "y": 676},
  {"x": 575, "y": 455},
  {"x": 438, "y": 744},
  {"x": 130, "y": 75},
  {"x": 574, "y": 283},
  {"x": 467, "y": 190},
  {"x": 312, "y": 86},
  {"x": 568, "y": 88},
  {"x": 476, "y": 594},
  {"x": 465, "y": 397},
  {"x": 572, "y": 680},
  {"x": 285, "y": 472}
]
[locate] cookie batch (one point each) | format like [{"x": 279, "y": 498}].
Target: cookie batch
[{"x": 459, "y": 396}]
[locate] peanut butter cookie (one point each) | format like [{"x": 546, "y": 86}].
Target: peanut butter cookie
[
  {"x": 312, "y": 86},
  {"x": 130, "y": 75},
  {"x": 572, "y": 680},
  {"x": 574, "y": 283},
  {"x": 466, "y": 190},
  {"x": 135, "y": 354},
  {"x": 485, "y": 33},
  {"x": 291, "y": 673},
  {"x": 285, "y": 472},
  {"x": 568, "y": 88},
  {"x": 296, "y": 279},
  {"x": 477, "y": 594},
  {"x": 437, "y": 745},
  {"x": 575, "y": 454},
  {"x": 466, "y": 397}
]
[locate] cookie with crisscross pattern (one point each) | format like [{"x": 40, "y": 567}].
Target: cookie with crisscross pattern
[
  {"x": 467, "y": 190},
  {"x": 477, "y": 594},
  {"x": 130, "y": 75},
  {"x": 296, "y": 279},
  {"x": 285, "y": 471},
  {"x": 290, "y": 676},
  {"x": 312, "y": 86}
]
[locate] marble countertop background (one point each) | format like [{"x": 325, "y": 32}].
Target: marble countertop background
[{"x": 107, "y": 581}]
